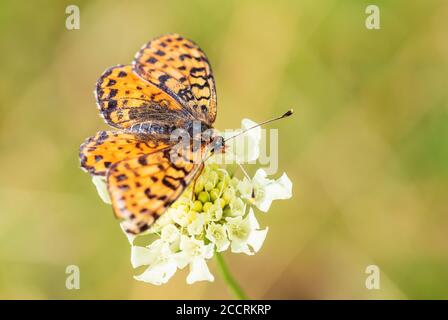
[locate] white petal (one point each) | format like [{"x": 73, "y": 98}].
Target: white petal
[
  {"x": 257, "y": 238},
  {"x": 252, "y": 139},
  {"x": 158, "y": 274},
  {"x": 180, "y": 215},
  {"x": 222, "y": 245},
  {"x": 252, "y": 220},
  {"x": 101, "y": 188},
  {"x": 170, "y": 233},
  {"x": 245, "y": 188},
  {"x": 255, "y": 133},
  {"x": 284, "y": 187},
  {"x": 237, "y": 207},
  {"x": 208, "y": 251},
  {"x": 271, "y": 190},
  {"x": 260, "y": 176},
  {"x": 240, "y": 247},
  {"x": 244, "y": 148},
  {"x": 182, "y": 259},
  {"x": 199, "y": 271},
  {"x": 197, "y": 225},
  {"x": 141, "y": 256}
]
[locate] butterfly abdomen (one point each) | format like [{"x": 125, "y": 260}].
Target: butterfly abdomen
[{"x": 152, "y": 128}]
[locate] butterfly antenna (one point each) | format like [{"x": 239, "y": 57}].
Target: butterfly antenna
[{"x": 285, "y": 115}]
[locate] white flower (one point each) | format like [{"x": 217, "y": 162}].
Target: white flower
[
  {"x": 217, "y": 234},
  {"x": 194, "y": 252},
  {"x": 266, "y": 190},
  {"x": 214, "y": 213},
  {"x": 180, "y": 215},
  {"x": 237, "y": 207},
  {"x": 245, "y": 234},
  {"x": 160, "y": 260},
  {"x": 101, "y": 188}
]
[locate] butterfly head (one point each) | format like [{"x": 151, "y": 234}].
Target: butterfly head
[
  {"x": 211, "y": 138},
  {"x": 203, "y": 132}
]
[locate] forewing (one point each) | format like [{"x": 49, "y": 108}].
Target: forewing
[
  {"x": 105, "y": 148},
  {"x": 125, "y": 99},
  {"x": 179, "y": 67},
  {"x": 142, "y": 188}
]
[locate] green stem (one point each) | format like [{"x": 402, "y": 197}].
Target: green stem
[{"x": 228, "y": 278}]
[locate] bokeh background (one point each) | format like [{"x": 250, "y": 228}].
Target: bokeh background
[{"x": 367, "y": 149}]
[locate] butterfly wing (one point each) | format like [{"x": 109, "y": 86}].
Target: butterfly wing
[
  {"x": 180, "y": 68},
  {"x": 142, "y": 188},
  {"x": 124, "y": 100},
  {"x": 105, "y": 148}
]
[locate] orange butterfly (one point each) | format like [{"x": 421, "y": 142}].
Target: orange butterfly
[{"x": 169, "y": 85}]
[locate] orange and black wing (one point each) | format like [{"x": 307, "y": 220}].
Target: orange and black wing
[
  {"x": 125, "y": 99},
  {"x": 180, "y": 68},
  {"x": 105, "y": 148},
  {"x": 142, "y": 188}
]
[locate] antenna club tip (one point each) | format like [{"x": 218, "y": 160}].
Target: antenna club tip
[{"x": 288, "y": 113}]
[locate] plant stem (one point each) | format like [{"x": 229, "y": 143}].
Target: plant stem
[{"x": 228, "y": 278}]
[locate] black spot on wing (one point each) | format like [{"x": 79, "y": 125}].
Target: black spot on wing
[
  {"x": 148, "y": 194},
  {"x": 168, "y": 183},
  {"x": 142, "y": 160},
  {"x": 151, "y": 60},
  {"x": 112, "y": 93}
]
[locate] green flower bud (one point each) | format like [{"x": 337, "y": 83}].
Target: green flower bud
[
  {"x": 207, "y": 206},
  {"x": 197, "y": 206},
  {"x": 222, "y": 174},
  {"x": 221, "y": 185},
  {"x": 214, "y": 194},
  {"x": 204, "y": 196},
  {"x": 199, "y": 186},
  {"x": 209, "y": 185}
]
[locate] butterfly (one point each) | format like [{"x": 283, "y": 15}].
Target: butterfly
[{"x": 168, "y": 86}]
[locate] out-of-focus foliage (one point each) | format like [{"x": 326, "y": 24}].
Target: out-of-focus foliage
[{"x": 367, "y": 149}]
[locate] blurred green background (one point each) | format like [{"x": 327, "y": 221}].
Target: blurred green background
[{"x": 367, "y": 149}]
